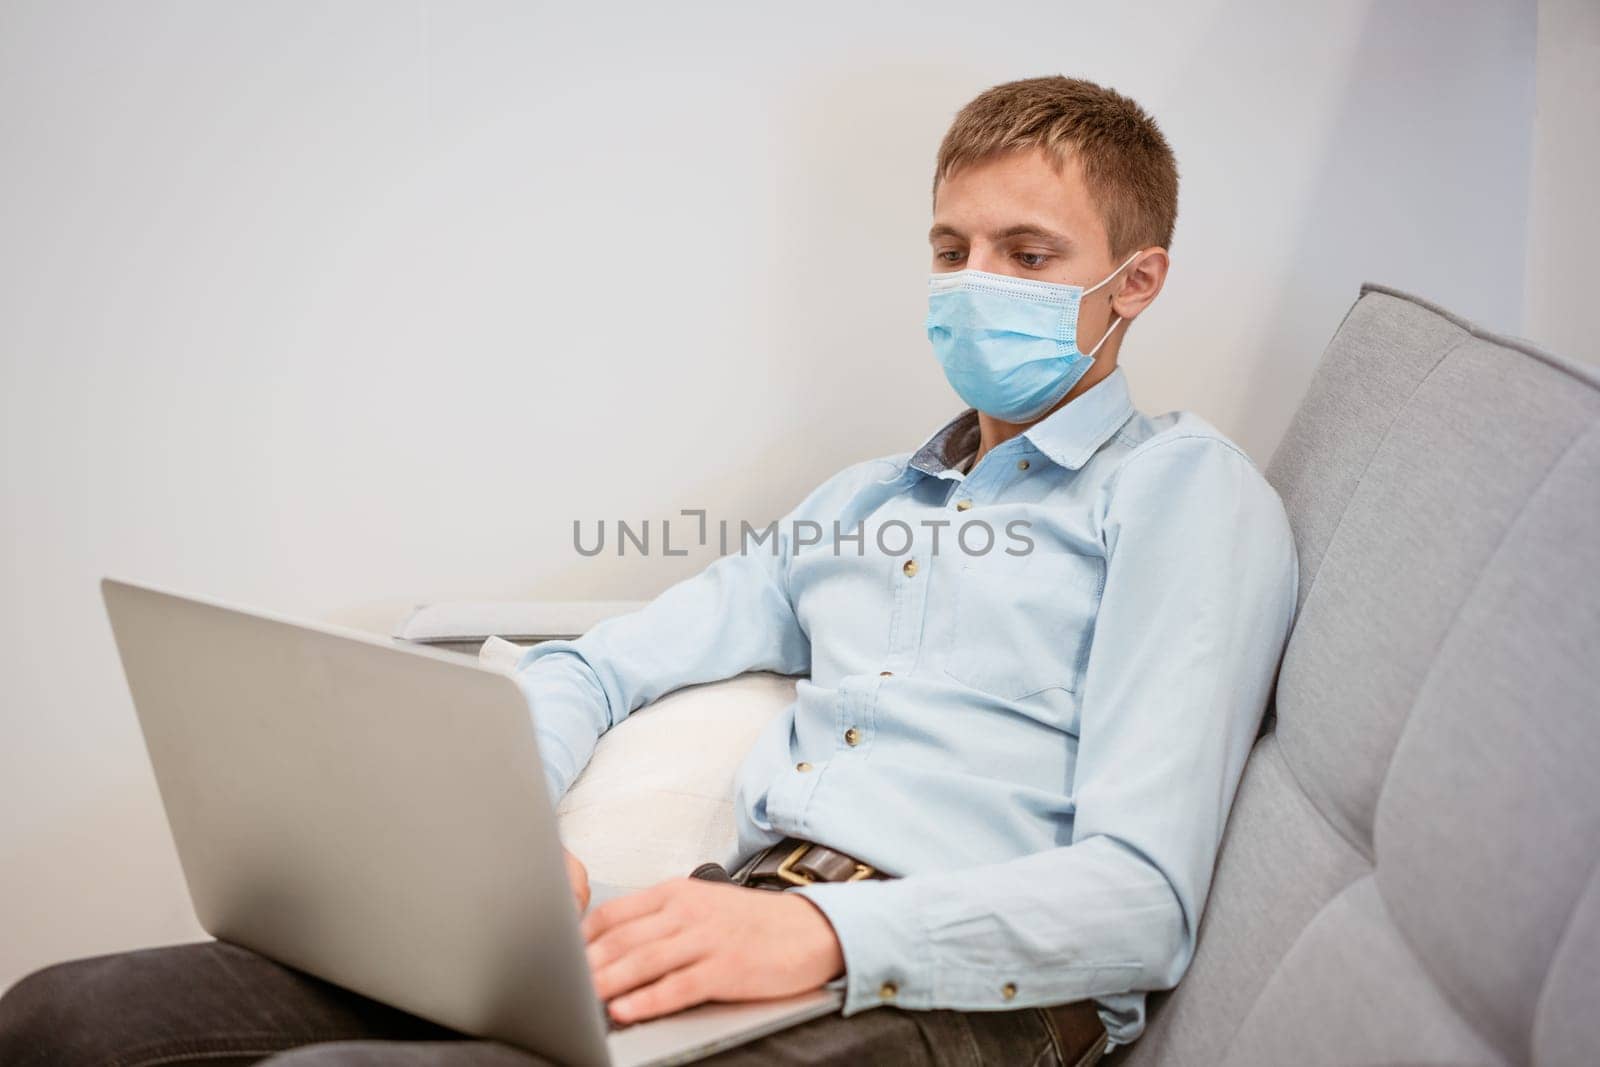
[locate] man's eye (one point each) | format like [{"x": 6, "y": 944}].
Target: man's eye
[
  {"x": 949, "y": 255},
  {"x": 1032, "y": 260}
]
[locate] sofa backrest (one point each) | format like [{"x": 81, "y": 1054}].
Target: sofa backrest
[{"x": 1409, "y": 873}]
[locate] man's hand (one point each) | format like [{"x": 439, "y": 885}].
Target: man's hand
[
  {"x": 578, "y": 875},
  {"x": 688, "y": 940}
]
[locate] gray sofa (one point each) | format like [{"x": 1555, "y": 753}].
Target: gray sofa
[{"x": 1409, "y": 872}]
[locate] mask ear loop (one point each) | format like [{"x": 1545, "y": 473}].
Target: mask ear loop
[{"x": 1117, "y": 318}]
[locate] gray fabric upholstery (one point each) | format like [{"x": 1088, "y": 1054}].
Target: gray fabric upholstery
[{"x": 1409, "y": 874}]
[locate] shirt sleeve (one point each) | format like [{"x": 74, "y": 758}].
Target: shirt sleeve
[
  {"x": 1201, "y": 579},
  {"x": 736, "y": 615}
]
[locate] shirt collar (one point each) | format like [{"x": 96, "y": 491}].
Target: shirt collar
[
  {"x": 1068, "y": 436},
  {"x": 948, "y": 445}
]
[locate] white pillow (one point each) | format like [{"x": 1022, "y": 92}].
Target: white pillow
[{"x": 656, "y": 799}]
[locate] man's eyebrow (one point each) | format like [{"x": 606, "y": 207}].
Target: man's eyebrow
[
  {"x": 1023, "y": 229},
  {"x": 1029, "y": 229}
]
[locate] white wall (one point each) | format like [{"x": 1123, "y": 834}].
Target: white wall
[
  {"x": 331, "y": 308},
  {"x": 1564, "y": 223}
]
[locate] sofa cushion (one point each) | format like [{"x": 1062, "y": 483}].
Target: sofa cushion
[
  {"x": 656, "y": 798},
  {"x": 1405, "y": 873}
]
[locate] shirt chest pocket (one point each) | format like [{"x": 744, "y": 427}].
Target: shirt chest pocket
[{"x": 1023, "y": 624}]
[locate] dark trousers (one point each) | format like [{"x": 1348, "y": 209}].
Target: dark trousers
[{"x": 214, "y": 1003}]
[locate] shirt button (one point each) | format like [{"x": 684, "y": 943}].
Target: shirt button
[
  {"x": 852, "y": 736},
  {"x": 963, "y": 505},
  {"x": 1022, "y": 464},
  {"x": 886, "y": 674},
  {"x": 910, "y": 568},
  {"x": 887, "y": 991},
  {"x": 802, "y": 766},
  {"x": 1008, "y": 990}
]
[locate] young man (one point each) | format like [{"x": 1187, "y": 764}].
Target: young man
[
  {"x": 1042, "y": 744},
  {"x": 1037, "y": 648}
]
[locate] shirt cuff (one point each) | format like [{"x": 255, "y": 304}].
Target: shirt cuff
[
  {"x": 557, "y": 761},
  {"x": 886, "y": 950},
  {"x": 893, "y": 956},
  {"x": 555, "y": 750}
]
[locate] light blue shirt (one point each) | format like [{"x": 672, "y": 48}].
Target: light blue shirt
[{"x": 1044, "y": 746}]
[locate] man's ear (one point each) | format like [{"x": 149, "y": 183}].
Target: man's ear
[{"x": 1141, "y": 283}]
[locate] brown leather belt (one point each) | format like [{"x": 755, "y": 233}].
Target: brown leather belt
[
  {"x": 794, "y": 861},
  {"x": 1076, "y": 1028}
]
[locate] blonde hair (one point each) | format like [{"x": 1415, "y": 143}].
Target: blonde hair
[{"x": 1127, "y": 164}]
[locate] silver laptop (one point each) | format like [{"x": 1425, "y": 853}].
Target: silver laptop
[{"x": 376, "y": 814}]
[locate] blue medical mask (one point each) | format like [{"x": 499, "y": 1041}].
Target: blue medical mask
[{"x": 1009, "y": 346}]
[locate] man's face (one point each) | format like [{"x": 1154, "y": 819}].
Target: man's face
[{"x": 1017, "y": 215}]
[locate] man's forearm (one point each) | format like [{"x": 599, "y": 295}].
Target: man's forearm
[{"x": 1048, "y": 928}]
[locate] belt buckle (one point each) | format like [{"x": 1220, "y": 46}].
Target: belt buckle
[{"x": 787, "y": 872}]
